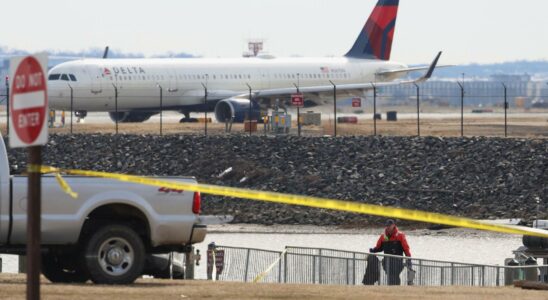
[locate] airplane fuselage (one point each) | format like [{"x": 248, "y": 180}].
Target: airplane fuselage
[{"x": 138, "y": 82}]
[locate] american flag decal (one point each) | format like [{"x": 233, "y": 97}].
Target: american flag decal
[{"x": 106, "y": 72}]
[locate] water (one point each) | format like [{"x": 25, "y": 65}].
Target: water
[{"x": 458, "y": 246}]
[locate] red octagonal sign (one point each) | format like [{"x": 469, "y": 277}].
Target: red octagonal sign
[{"x": 28, "y": 102}]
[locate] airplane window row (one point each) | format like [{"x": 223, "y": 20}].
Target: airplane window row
[
  {"x": 311, "y": 76},
  {"x": 65, "y": 77},
  {"x": 215, "y": 76}
]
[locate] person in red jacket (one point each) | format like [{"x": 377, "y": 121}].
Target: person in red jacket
[{"x": 393, "y": 242}]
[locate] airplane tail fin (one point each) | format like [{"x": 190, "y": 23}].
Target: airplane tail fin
[{"x": 375, "y": 39}]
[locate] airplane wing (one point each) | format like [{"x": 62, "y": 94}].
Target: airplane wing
[{"x": 349, "y": 88}]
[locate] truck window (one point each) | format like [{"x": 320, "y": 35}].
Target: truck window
[{"x": 54, "y": 76}]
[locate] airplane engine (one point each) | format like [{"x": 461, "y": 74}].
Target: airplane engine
[
  {"x": 237, "y": 109},
  {"x": 130, "y": 117}
]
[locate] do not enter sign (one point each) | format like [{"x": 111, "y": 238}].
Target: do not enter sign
[{"x": 28, "y": 101}]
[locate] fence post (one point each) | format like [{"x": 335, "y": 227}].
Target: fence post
[
  {"x": 505, "y": 111},
  {"x": 285, "y": 267},
  {"x": 354, "y": 268},
  {"x": 498, "y": 275},
  {"x": 320, "y": 267},
  {"x": 298, "y": 111},
  {"x": 116, "y": 105},
  {"x": 483, "y": 276},
  {"x": 280, "y": 270},
  {"x": 334, "y": 108},
  {"x": 205, "y": 108},
  {"x": 246, "y": 265},
  {"x": 314, "y": 269},
  {"x": 452, "y": 274},
  {"x": 442, "y": 275},
  {"x": 250, "y": 103},
  {"x": 71, "y": 106},
  {"x": 374, "y": 109},
  {"x": 461, "y": 108},
  {"x": 420, "y": 273},
  {"x": 472, "y": 280},
  {"x": 418, "y": 110},
  {"x": 161, "y": 107},
  {"x": 347, "y": 272}
]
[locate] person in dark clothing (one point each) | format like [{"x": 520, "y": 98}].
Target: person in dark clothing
[{"x": 393, "y": 242}]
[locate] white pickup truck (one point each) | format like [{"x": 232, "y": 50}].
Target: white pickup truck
[{"x": 106, "y": 233}]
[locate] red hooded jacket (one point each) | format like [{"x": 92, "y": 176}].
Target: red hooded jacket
[{"x": 395, "y": 244}]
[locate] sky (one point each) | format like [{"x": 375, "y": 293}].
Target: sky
[{"x": 468, "y": 31}]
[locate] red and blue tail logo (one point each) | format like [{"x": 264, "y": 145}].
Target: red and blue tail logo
[{"x": 375, "y": 39}]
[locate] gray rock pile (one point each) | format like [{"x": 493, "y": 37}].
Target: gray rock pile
[{"x": 475, "y": 177}]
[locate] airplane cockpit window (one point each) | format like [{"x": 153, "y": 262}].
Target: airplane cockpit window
[
  {"x": 64, "y": 77},
  {"x": 54, "y": 76},
  {"x": 72, "y": 77}
]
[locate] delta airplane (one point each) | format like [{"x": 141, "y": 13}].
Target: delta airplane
[{"x": 129, "y": 89}]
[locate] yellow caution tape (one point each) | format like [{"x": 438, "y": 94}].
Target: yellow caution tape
[
  {"x": 263, "y": 274},
  {"x": 348, "y": 206},
  {"x": 64, "y": 185}
]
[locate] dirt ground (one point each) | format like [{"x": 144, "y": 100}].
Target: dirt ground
[
  {"x": 13, "y": 287},
  {"x": 535, "y": 126}
]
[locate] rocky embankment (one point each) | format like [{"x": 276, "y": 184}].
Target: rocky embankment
[{"x": 473, "y": 177}]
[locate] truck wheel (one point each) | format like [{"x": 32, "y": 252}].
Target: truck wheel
[
  {"x": 55, "y": 271},
  {"x": 114, "y": 254}
]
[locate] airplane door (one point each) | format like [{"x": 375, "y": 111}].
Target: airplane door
[{"x": 94, "y": 74}]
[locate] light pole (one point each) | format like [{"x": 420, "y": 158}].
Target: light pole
[
  {"x": 334, "y": 108},
  {"x": 71, "y": 105},
  {"x": 161, "y": 107}
]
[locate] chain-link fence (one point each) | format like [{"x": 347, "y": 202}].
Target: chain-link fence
[
  {"x": 435, "y": 108},
  {"x": 330, "y": 266}
]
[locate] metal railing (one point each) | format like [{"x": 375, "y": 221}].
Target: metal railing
[{"x": 330, "y": 266}]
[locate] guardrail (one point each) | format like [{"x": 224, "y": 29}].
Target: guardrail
[{"x": 331, "y": 266}]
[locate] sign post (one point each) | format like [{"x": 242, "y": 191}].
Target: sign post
[
  {"x": 28, "y": 108},
  {"x": 298, "y": 101}
]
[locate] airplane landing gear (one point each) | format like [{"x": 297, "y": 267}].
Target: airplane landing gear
[
  {"x": 80, "y": 115},
  {"x": 187, "y": 118}
]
